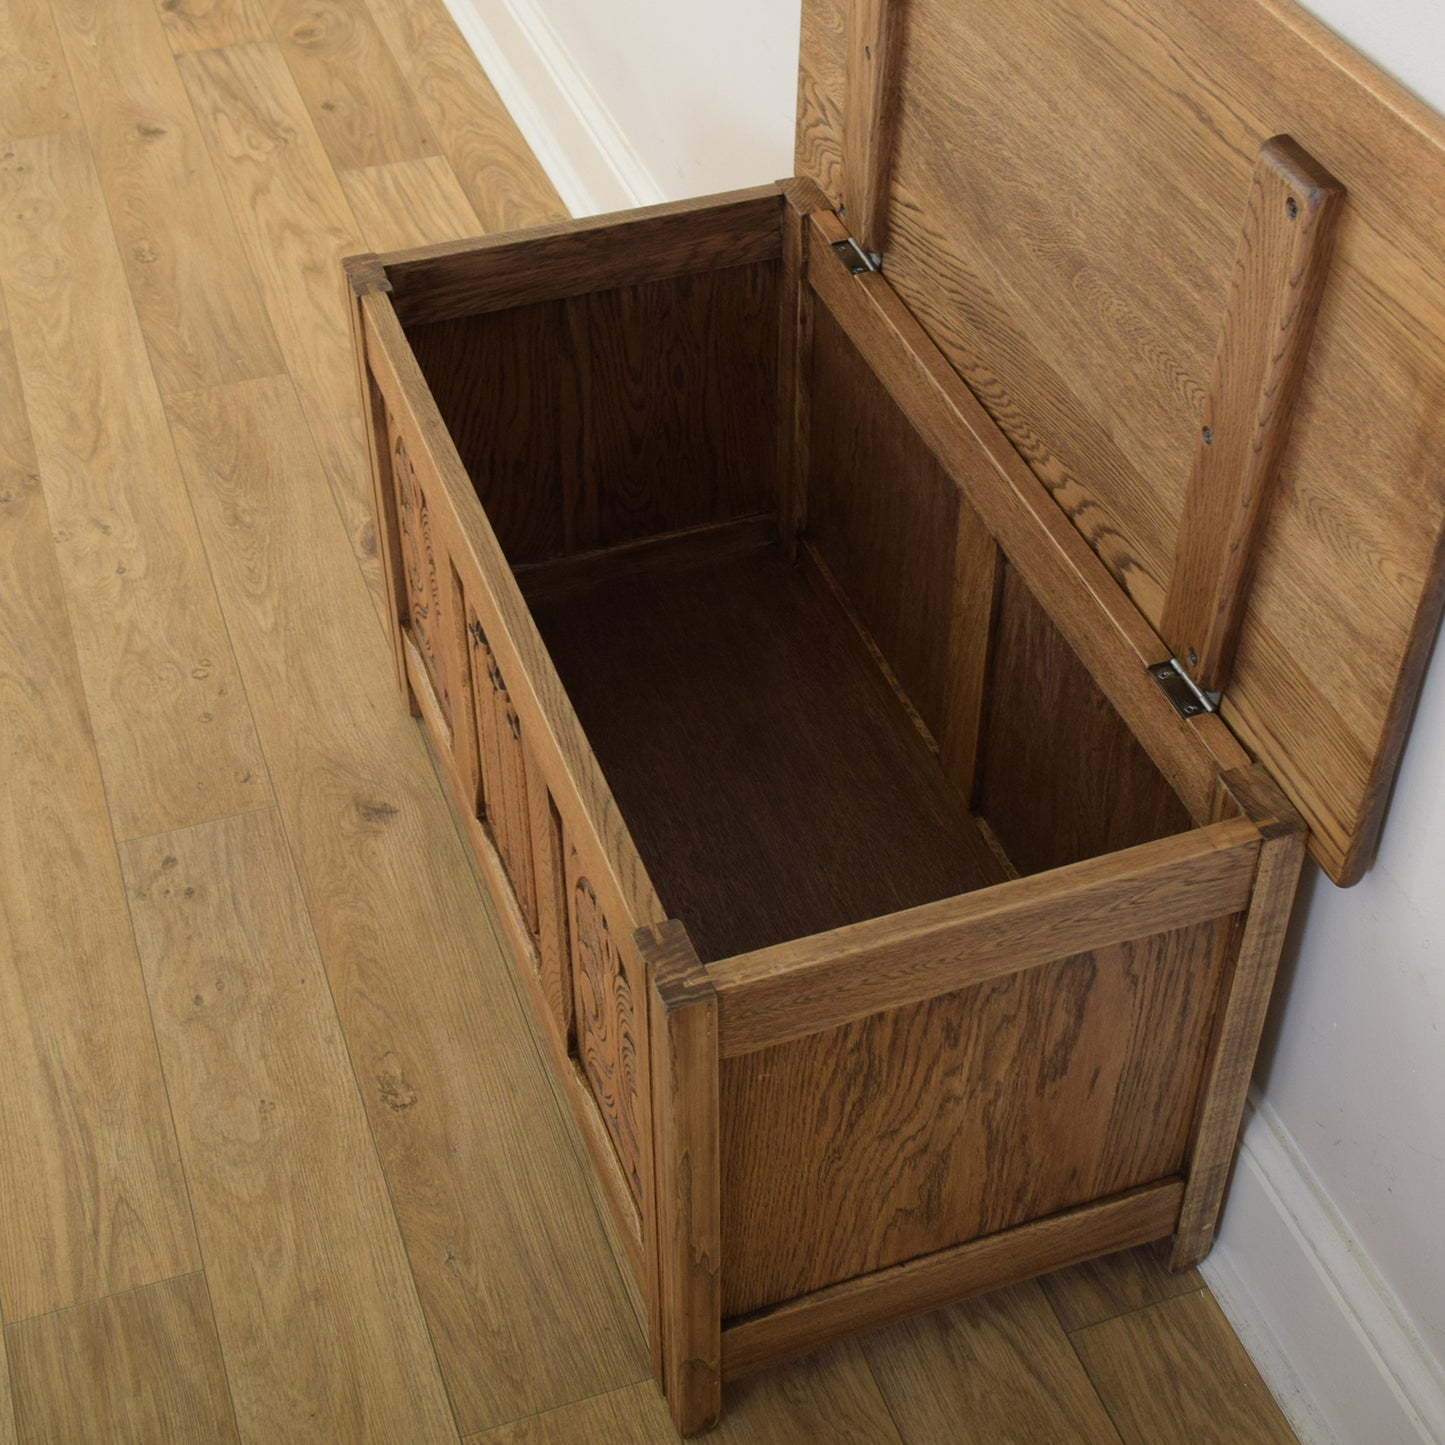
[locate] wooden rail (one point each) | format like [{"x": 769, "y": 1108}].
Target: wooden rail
[{"x": 811, "y": 984}]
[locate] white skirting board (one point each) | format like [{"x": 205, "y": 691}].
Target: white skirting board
[
  {"x": 1319, "y": 1322},
  {"x": 572, "y": 133}
]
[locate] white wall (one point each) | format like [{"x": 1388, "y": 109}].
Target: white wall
[
  {"x": 1344, "y": 1162},
  {"x": 705, "y": 92}
]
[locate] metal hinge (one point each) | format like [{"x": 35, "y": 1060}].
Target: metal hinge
[
  {"x": 1188, "y": 698},
  {"x": 855, "y": 258}
]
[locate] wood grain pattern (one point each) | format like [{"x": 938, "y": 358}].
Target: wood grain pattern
[
  {"x": 808, "y": 984},
  {"x": 1095, "y": 617},
  {"x": 296, "y": 227},
  {"x": 409, "y": 203},
  {"x": 581, "y": 793},
  {"x": 424, "y": 619},
  {"x": 144, "y": 1365},
  {"x": 173, "y": 731},
  {"x": 7, "y": 1410},
  {"x": 665, "y": 552},
  {"x": 1279, "y": 278},
  {"x": 870, "y": 106},
  {"x": 1062, "y": 776},
  {"x": 887, "y": 519},
  {"x": 520, "y": 1292},
  {"x": 983, "y": 1109},
  {"x": 875, "y": 1300},
  {"x": 1151, "y": 1369},
  {"x": 90, "y": 1181},
  {"x": 36, "y": 94},
  {"x": 679, "y": 677},
  {"x": 1102, "y": 1289},
  {"x": 1113, "y": 276},
  {"x": 314, "y": 1300},
  {"x": 831, "y": 1399},
  {"x": 595, "y": 253},
  {"x": 608, "y": 1032},
  {"x": 993, "y": 1369},
  {"x": 656, "y": 412},
  {"x": 361, "y": 105},
  {"x": 209, "y": 24},
  {"x": 683, "y": 1030},
  {"x": 194, "y": 295},
  {"x": 1245, "y": 1001},
  {"x": 554, "y": 945},
  {"x": 493, "y": 164}
]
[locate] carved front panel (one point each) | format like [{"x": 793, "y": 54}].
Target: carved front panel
[
  {"x": 503, "y": 770},
  {"x": 607, "y": 1028},
  {"x": 423, "y": 585}
]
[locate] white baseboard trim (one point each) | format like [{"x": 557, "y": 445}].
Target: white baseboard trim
[
  {"x": 579, "y": 143},
  {"x": 1320, "y": 1323}
]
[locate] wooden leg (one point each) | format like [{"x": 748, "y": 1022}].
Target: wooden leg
[
  {"x": 1241, "y": 1018},
  {"x": 685, "y": 1082}
]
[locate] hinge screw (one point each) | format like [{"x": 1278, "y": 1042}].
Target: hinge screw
[{"x": 1208, "y": 435}]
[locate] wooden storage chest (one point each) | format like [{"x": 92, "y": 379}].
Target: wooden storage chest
[{"x": 797, "y": 636}]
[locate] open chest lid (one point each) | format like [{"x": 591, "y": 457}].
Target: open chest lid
[{"x": 1068, "y": 195}]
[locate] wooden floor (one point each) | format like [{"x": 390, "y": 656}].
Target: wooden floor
[{"x": 279, "y": 1159}]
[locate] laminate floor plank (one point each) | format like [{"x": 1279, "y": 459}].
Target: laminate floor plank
[
  {"x": 409, "y": 203},
  {"x": 91, "y": 1191},
  {"x": 170, "y": 718},
  {"x": 1100, "y": 1289},
  {"x": 827, "y": 1399},
  {"x": 314, "y": 1300},
  {"x": 492, "y": 162},
  {"x": 989, "y": 1370},
  {"x": 526, "y": 1307},
  {"x": 36, "y": 94},
  {"x": 208, "y": 24},
  {"x": 138, "y": 1367},
  {"x": 297, "y": 227},
  {"x": 1174, "y": 1374},
  {"x": 362, "y": 107},
  {"x": 194, "y": 294},
  {"x": 7, "y": 1408}
]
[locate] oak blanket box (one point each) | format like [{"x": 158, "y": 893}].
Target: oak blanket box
[{"x": 893, "y": 636}]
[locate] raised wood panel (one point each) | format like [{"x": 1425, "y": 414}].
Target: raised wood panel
[
  {"x": 581, "y": 793},
  {"x": 170, "y": 718},
  {"x": 932, "y": 1281},
  {"x": 197, "y": 302},
  {"x": 91, "y": 1188},
  {"x": 424, "y": 618},
  {"x": 520, "y": 440},
  {"x": 982, "y": 1110},
  {"x": 608, "y": 1036},
  {"x": 884, "y": 516},
  {"x": 313, "y": 1295},
  {"x": 681, "y": 391},
  {"x": 1063, "y": 778},
  {"x": 605, "y": 418},
  {"x": 495, "y": 167},
  {"x": 144, "y": 1365},
  {"x": 1083, "y": 303}
]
